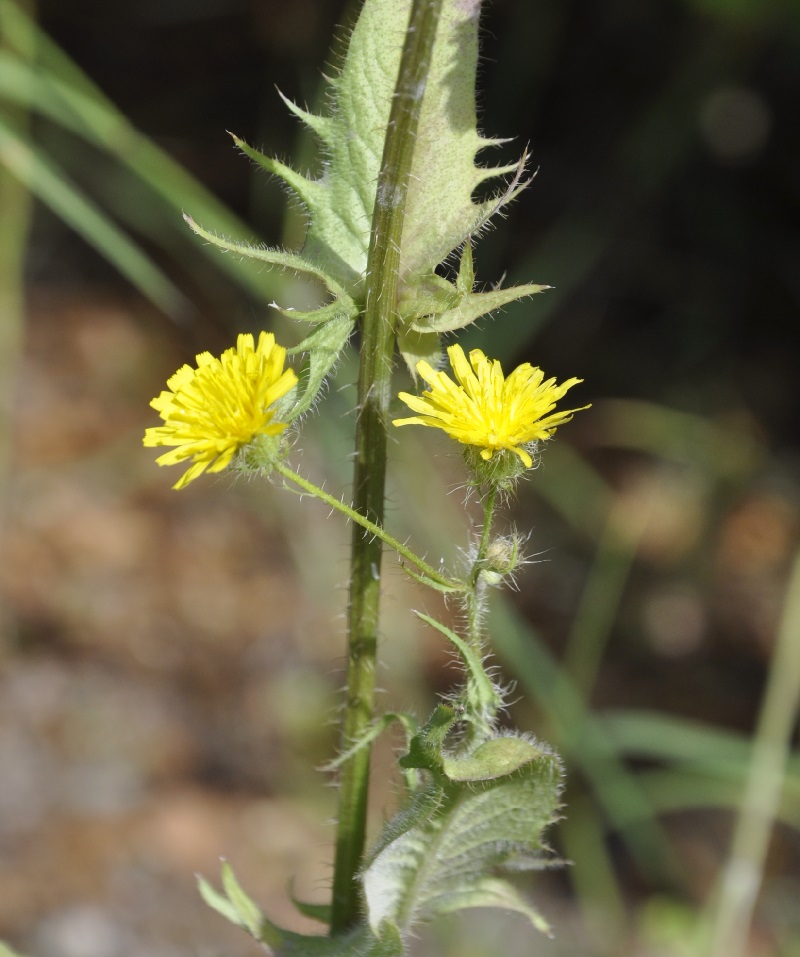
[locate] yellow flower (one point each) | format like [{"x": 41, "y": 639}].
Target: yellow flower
[
  {"x": 485, "y": 409},
  {"x": 214, "y": 410}
]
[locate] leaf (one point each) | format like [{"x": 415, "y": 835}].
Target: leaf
[
  {"x": 238, "y": 908},
  {"x": 272, "y": 257},
  {"x": 444, "y": 173},
  {"x": 252, "y": 918},
  {"x": 374, "y": 731},
  {"x": 415, "y": 345},
  {"x": 493, "y": 759},
  {"x": 471, "y": 307},
  {"x": 430, "y": 296},
  {"x": 425, "y": 748},
  {"x": 496, "y": 892},
  {"x": 319, "y": 912},
  {"x": 438, "y": 855},
  {"x": 330, "y": 310},
  {"x": 323, "y": 345},
  {"x": 466, "y": 270},
  {"x": 221, "y": 903},
  {"x": 434, "y": 305}
]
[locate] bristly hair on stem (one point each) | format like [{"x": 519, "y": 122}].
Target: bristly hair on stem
[{"x": 374, "y": 395}]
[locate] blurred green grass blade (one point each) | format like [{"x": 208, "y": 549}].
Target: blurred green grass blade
[
  {"x": 18, "y": 27},
  {"x": 663, "y": 737},
  {"x": 652, "y": 734},
  {"x": 57, "y": 89},
  {"x": 599, "y": 603},
  {"x": 574, "y": 489},
  {"x": 598, "y": 892},
  {"x": 49, "y": 185},
  {"x": 743, "y": 873},
  {"x": 723, "y": 451},
  {"x": 16, "y": 215},
  {"x": 715, "y": 760},
  {"x": 100, "y": 124},
  {"x": 671, "y": 790},
  {"x": 6, "y": 951}
]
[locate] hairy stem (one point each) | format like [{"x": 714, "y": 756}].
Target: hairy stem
[
  {"x": 477, "y": 586},
  {"x": 369, "y": 526},
  {"x": 374, "y": 392}
]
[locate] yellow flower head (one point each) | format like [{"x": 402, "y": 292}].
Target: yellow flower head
[
  {"x": 214, "y": 410},
  {"x": 486, "y": 410}
]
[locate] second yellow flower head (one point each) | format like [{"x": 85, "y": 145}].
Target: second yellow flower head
[{"x": 485, "y": 409}]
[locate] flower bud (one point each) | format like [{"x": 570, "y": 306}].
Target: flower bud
[{"x": 501, "y": 559}]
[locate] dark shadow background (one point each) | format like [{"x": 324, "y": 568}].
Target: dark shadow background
[{"x": 158, "y": 684}]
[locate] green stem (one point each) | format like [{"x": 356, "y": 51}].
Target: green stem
[
  {"x": 371, "y": 527},
  {"x": 477, "y": 586},
  {"x": 374, "y": 392},
  {"x": 486, "y": 532}
]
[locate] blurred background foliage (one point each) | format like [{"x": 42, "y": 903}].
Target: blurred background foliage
[{"x": 171, "y": 662}]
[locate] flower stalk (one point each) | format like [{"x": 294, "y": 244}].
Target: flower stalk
[
  {"x": 476, "y": 583},
  {"x": 374, "y": 393},
  {"x": 403, "y": 550}
]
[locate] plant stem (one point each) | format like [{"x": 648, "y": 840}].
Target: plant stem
[
  {"x": 486, "y": 531},
  {"x": 477, "y": 586},
  {"x": 371, "y": 527},
  {"x": 374, "y": 392}
]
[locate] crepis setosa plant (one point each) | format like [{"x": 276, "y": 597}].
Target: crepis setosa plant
[{"x": 394, "y": 201}]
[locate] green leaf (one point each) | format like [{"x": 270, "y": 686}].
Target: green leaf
[
  {"x": 239, "y": 909},
  {"x": 251, "y": 917},
  {"x": 430, "y": 296},
  {"x": 466, "y": 270},
  {"x": 496, "y": 892},
  {"x": 377, "y": 728},
  {"x": 444, "y": 173},
  {"x": 324, "y": 346},
  {"x": 425, "y": 748},
  {"x": 272, "y": 257},
  {"x": 319, "y": 912},
  {"x": 434, "y": 305},
  {"x": 219, "y": 903},
  {"x": 471, "y": 307},
  {"x": 342, "y": 305},
  {"x": 493, "y": 759},
  {"x": 436, "y": 856},
  {"x": 415, "y": 345}
]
